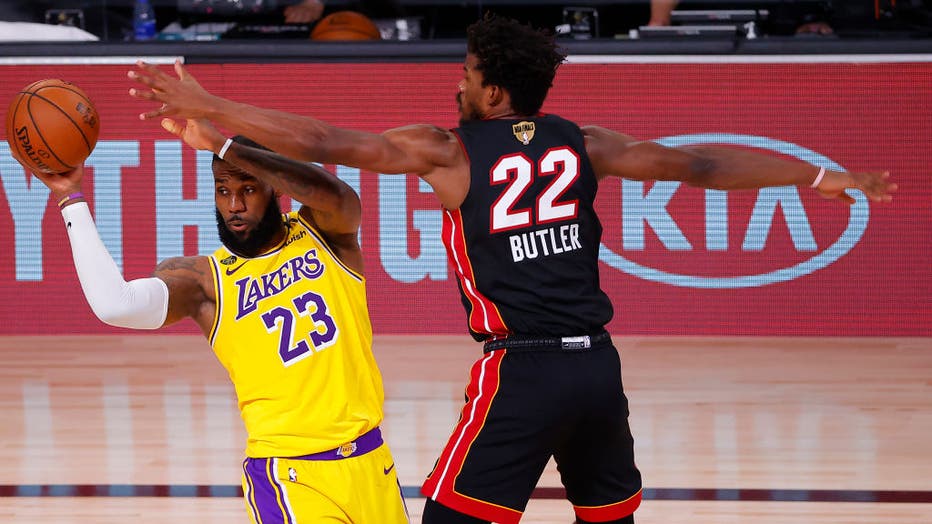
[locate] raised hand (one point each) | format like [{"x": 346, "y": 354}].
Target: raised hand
[
  {"x": 875, "y": 185},
  {"x": 197, "y": 133},
  {"x": 62, "y": 184},
  {"x": 181, "y": 97}
]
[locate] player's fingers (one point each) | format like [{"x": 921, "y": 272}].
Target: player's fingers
[
  {"x": 883, "y": 188},
  {"x": 30, "y": 172},
  {"x": 152, "y": 69},
  {"x": 142, "y": 94},
  {"x": 883, "y": 196},
  {"x": 149, "y": 115},
  {"x": 891, "y": 186},
  {"x": 180, "y": 70},
  {"x": 172, "y": 127},
  {"x": 142, "y": 79}
]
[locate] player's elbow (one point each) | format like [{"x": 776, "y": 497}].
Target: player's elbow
[
  {"x": 142, "y": 304},
  {"x": 118, "y": 317},
  {"x": 111, "y": 318},
  {"x": 703, "y": 172}
]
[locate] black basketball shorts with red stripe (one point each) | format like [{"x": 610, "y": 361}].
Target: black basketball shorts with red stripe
[{"x": 526, "y": 404}]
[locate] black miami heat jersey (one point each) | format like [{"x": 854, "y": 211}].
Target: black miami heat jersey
[{"x": 525, "y": 241}]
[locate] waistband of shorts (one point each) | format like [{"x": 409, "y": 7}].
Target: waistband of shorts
[
  {"x": 522, "y": 343},
  {"x": 367, "y": 442}
]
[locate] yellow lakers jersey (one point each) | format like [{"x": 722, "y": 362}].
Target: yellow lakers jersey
[{"x": 292, "y": 329}]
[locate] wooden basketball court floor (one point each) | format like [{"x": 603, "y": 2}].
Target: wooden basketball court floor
[{"x": 144, "y": 428}]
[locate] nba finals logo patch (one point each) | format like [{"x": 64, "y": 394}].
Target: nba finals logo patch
[
  {"x": 229, "y": 261},
  {"x": 523, "y": 131}
]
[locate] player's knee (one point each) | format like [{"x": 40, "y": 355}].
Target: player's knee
[{"x": 436, "y": 513}]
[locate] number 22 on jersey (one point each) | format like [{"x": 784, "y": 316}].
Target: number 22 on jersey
[{"x": 561, "y": 163}]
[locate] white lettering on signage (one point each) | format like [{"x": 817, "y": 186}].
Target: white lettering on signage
[
  {"x": 431, "y": 261},
  {"x": 107, "y": 162},
  {"x": 173, "y": 212},
  {"x": 640, "y": 210},
  {"x": 27, "y": 203}
]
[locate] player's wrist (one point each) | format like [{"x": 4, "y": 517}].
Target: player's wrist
[
  {"x": 222, "y": 150},
  {"x": 818, "y": 178},
  {"x": 66, "y": 198}
]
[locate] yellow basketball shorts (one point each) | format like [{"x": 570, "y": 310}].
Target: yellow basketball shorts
[{"x": 360, "y": 489}]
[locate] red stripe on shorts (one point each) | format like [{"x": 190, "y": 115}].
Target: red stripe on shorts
[
  {"x": 439, "y": 486},
  {"x": 609, "y": 512}
]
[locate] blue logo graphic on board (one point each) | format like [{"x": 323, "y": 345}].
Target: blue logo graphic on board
[{"x": 666, "y": 228}]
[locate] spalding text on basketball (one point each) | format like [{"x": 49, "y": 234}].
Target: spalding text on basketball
[{"x": 36, "y": 155}]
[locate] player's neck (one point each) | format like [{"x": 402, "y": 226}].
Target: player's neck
[
  {"x": 277, "y": 241},
  {"x": 503, "y": 114}
]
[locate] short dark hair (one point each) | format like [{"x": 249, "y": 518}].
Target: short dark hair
[
  {"x": 516, "y": 57},
  {"x": 240, "y": 139}
]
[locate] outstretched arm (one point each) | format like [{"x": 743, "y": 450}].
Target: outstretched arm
[
  {"x": 615, "y": 154},
  {"x": 298, "y": 137},
  {"x": 145, "y": 303}
]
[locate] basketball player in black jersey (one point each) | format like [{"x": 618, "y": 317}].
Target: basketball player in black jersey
[{"x": 517, "y": 188}]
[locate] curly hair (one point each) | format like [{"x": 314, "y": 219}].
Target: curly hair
[{"x": 516, "y": 57}]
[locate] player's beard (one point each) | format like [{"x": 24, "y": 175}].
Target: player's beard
[
  {"x": 466, "y": 114},
  {"x": 257, "y": 240}
]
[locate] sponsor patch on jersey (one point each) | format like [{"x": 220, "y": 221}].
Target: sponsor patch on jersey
[{"x": 523, "y": 131}]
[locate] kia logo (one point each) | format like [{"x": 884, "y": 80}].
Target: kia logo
[{"x": 857, "y": 223}]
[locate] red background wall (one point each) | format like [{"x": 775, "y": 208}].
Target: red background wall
[{"x": 862, "y": 116}]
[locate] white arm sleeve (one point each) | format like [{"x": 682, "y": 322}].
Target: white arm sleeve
[{"x": 140, "y": 304}]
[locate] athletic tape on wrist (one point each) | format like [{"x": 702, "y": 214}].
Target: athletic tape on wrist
[
  {"x": 818, "y": 178},
  {"x": 223, "y": 150}
]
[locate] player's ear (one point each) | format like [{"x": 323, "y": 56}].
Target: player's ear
[{"x": 495, "y": 95}]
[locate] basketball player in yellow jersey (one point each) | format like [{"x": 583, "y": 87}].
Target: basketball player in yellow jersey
[{"x": 283, "y": 304}]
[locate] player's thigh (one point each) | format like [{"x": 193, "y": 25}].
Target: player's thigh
[
  {"x": 377, "y": 490},
  {"x": 596, "y": 463},
  {"x": 503, "y": 440}
]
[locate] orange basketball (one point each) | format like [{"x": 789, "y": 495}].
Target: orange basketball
[
  {"x": 51, "y": 126},
  {"x": 346, "y": 25}
]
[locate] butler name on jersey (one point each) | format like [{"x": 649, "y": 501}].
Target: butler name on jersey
[{"x": 544, "y": 242}]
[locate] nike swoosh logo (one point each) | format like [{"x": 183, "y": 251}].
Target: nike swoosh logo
[
  {"x": 389, "y": 469},
  {"x": 230, "y": 271}
]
